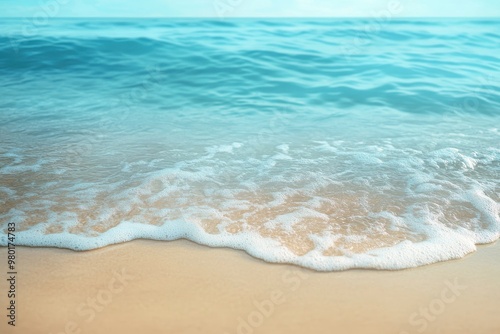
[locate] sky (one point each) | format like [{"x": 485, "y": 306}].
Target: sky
[{"x": 249, "y": 8}]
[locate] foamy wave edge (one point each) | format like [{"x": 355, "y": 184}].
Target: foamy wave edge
[{"x": 442, "y": 245}]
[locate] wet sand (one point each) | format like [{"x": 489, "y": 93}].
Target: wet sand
[{"x": 180, "y": 287}]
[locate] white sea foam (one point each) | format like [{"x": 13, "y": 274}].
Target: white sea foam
[
  {"x": 384, "y": 208},
  {"x": 441, "y": 246}
]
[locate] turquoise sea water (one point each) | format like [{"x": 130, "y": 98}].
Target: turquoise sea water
[{"x": 331, "y": 144}]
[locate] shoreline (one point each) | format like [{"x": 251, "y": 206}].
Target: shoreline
[{"x": 180, "y": 286}]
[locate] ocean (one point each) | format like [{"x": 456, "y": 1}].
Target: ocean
[{"x": 326, "y": 143}]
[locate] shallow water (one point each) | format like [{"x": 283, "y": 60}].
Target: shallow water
[{"x": 304, "y": 141}]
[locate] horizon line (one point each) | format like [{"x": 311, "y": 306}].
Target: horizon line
[{"x": 257, "y": 17}]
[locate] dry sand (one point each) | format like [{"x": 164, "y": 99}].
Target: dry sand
[{"x": 180, "y": 287}]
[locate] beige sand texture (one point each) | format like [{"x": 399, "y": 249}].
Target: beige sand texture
[{"x": 180, "y": 287}]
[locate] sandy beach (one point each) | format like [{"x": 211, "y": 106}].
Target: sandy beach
[{"x": 181, "y": 287}]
